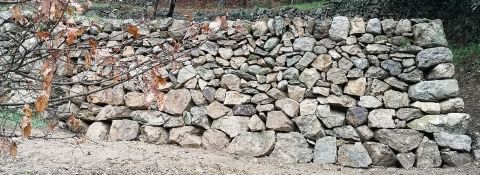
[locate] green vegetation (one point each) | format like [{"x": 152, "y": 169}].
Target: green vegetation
[
  {"x": 307, "y": 5},
  {"x": 469, "y": 52},
  {"x": 12, "y": 118}
]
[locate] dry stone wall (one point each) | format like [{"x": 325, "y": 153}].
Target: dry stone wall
[{"x": 349, "y": 91}]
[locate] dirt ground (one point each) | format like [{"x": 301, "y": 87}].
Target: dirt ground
[{"x": 65, "y": 156}]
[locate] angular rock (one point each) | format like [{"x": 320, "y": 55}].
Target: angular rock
[
  {"x": 155, "y": 135},
  {"x": 365, "y": 133},
  {"x": 236, "y": 98},
  {"x": 356, "y": 116},
  {"x": 407, "y": 160},
  {"x": 309, "y": 77},
  {"x": 408, "y": 114},
  {"x": 434, "y": 56},
  {"x": 186, "y": 73},
  {"x": 186, "y": 136},
  {"x": 252, "y": 144},
  {"x": 97, "y": 131},
  {"x": 291, "y": 148},
  {"x": 323, "y": 62},
  {"x": 346, "y": 132},
  {"x": 177, "y": 101},
  {"x": 123, "y": 130},
  {"x": 337, "y": 76},
  {"x": 429, "y": 34},
  {"x": 213, "y": 139},
  {"x": 374, "y": 26},
  {"x": 401, "y": 140},
  {"x": 244, "y": 110},
  {"x": 210, "y": 47},
  {"x": 442, "y": 71},
  {"x": 395, "y": 99},
  {"x": 452, "y": 105},
  {"x": 369, "y": 102},
  {"x": 358, "y": 26},
  {"x": 256, "y": 124},
  {"x": 199, "y": 117},
  {"x": 325, "y": 151},
  {"x": 113, "y": 112},
  {"x": 454, "y": 123},
  {"x": 231, "y": 82},
  {"x": 381, "y": 118},
  {"x": 217, "y": 110},
  {"x": 356, "y": 87},
  {"x": 146, "y": 117},
  {"x": 289, "y": 106},
  {"x": 339, "y": 29},
  {"x": 381, "y": 154},
  {"x": 232, "y": 125},
  {"x": 353, "y": 155},
  {"x": 308, "y": 107},
  {"x": 428, "y": 154},
  {"x": 135, "y": 100},
  {"x": 433, "y": 90},
  {"x": 427, "y": 107},
  {"x": 340, "y": 101},
  {"x": 330, "y": 118},
  {"x": 453, "y": 158},
  {"x": 304, "y": 44},
  {"x": 453, "y": 141},
  {"x": 310, "y": 127},
  {"x": 278, "y": 121}
]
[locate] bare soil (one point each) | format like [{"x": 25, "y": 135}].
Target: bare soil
[{"x": 67, "y": 156}]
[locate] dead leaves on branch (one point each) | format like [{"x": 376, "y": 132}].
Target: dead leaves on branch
[
  {"x": 133, "y": 30},
  {"x": 8, "y": 146},
  {"x": 26, "y": 122}
]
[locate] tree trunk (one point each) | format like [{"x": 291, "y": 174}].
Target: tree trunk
[
  {"x": 155, "y": 8},
  {"x": 171, "y": 8}
]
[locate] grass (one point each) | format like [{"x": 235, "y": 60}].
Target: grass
[
  {"x": 12, "y": 118},
  {"x": 308, "y": 5},
  {"x": 461, "y": 53}
]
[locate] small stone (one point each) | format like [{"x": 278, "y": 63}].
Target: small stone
[
  {"x": 323, "y": 62},
  {"x": 374, "y": 26},
  {"x": 296, "y": 93},
  {"x": 278, "y": 121},
  {"x": 434, "y": 56},
  {"x": 341, "y": 101},
  {"x": 235, "y": 98},
  {"x": 428, "y": 154},
  {"x": 454, "y": 123},
  {"x": 408, "y": 114},
  {"x": 97, "y": 131},
  {"x": 346, "y": 132},
  {"x": 429, "y": 34},
  {"x": 232, "y": 125},
  {"x": 337, "y": 76},
  {"x": 200, "y": 117},
  {"x": 330, "y": 118},
  {"x": 365, "y": 133},
  {"x": 186, "y": 136},
  {"x": 358, "y": 26},
  {"x": 453, "y": 105},
  {"x": 339, "y": 29},
  {"x": 310, "y": 127},
  {"x": 113, "y": 112},
  {"x": 407, "y": 160},
  {"x": 427, "y": 107},
  {"x": 453, "y": 141},
  {"x": 178, "y": 101},
  {"x": 213, "y": 139},
  {"x": 433, "y": 90},
  {"x": 356, "y": 116},
  {"x": 453, "y": 158},
  {"x": 155, "y": 135},
  {"x": 325, "y": 151},
  {"x": 186, "y": 73},
  {"x": 309, "y": 77},
  {"x": 442, "y": 71},
  {"x": 304, "y": 44},
  {"x": 401, "y": 140},
  {"x": 292, "y": 148},
  {"x": 289, "y": 106},
  {"x": 147, "y": 117},
  {"x": 308, "y": 107},
  {"x": 225, "y": 53},
  {"x": 135, "y": 100},
  {"x": 356, "y": 87},
  {"x": 256, "y": 124},
  {"x": 381, "y": 154},
  {"x": 252, "y": 144},
  {"x": 381, "y": 118},
  {"x": 230, "y": 81},
  {"x": 122, "y": 130},
  {"x": 353, "y": 155},
  {"x": 369, "y": 102},
  {"x": 395, "y": 99}
]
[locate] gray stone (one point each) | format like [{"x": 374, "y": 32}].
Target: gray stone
[
  {"x": 260, "y": 28},
  {"x": 325, "y": 151},
  {"x": 186, "y": 136},
  {"x": 394, "y": 82},
  {"x": 453, "y": 158},
  {"x": 276, "y": 94},
  {"x": 339, "y": 29},
  {"x": 97, "y": 131},
  {"x": 408, "y": 114},
  {"x": 296, "y": 93},
  {"x": 174, "y": 122},
  {"x": 200, "y": 117},
  {"x": 395, "y": 99},
  {"x": 323, "y": 62},
  {"x": 309, "y": 77},
  {"x": 452, "y": 105},
  {"x": 365, "y": 133},
  {"x": 308, "y": 107},
  {"x": 356, "y": 116},
  {"x": 427, "y": 107},
  {"x": 369, "y": 102},
  {"x": 147, "y": 117},
  {"x": 374, "y": 26},
  {"x": 353, "y": 155},
  {"x": 304, "y": 44},
  {"x": 433, "y": 90},
  {"x": 330, "y": 118},
  {"x": 291, "y": 148},
  {"x": 476, "y": 154},
  {"x": 453, "y": 141},
  {"x": 225, "y": 53},
  {"x": 337, "y": 76},
  {"x": 392, "y": 67},
  {"x": 377, "y": 49},
  {"x": 454, "y": 123},
  {"x": 230, "y": 81},
  {"x": 235, "y": 98},
  {"x": 429, "y": 34},
  {"x": 252, "y": 144},
  {"x": 381, "y": 118},
  {"x": 155, "y": 135},
  {"x": 358, "y": 26},
  {"x": 210, "y": 47},
  {"x": 407, "y": 160},
  {"x": 413, "y": 76},
  {"x": 433, "y": 56},
  {"x": 376, "y": 72},
  {"x": 186, "y": 73},
  {"x": 428, "y": 154},
  {"x": 217, "y": 110},
  {"x": 113, "y": 112},
  {"x": 289, "y": 106},
  {"x": 135, "y": 100},
  {"x": 377, "y": 87},
  {"x": 340, "y": 101},
  {"x": 291, "y": 74},
  {"x": 271, "y": 43},
  {"x": 177, "y": 101},
  {"x": 305, "y": 60},
  {"x": 278, "y": 121},
  {"x": 256, "y": 124},
  {"x": 401, "y": 140},
  {"x": 381, "y": 154},
  {"x": 403, "y": 26},
  {"x": 442, "y": 71},
  {"x": 232, "y": 125},
  {"x": 356, "y": 87},
  {"x": 213, "y": 139},
  {"x": 310, "y": 127},
  {"x": 346, "y": 132},
  {"x": 122, "y": 130},
  {"x": 198, "y": 98},
  {"x": 388, "y": 26},
  {"x": 244, "y": 110},
  {"x": 179, "y": 28}
]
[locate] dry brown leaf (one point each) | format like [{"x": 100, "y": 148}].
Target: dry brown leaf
[
  {"x": 43, "y": 35},
  {"x": 133, "y": 30},
  {"x": 206, "y": 28},
  {"x": 93, "y": 46},
  {"x": 176, "y": 46},
  {"x": 73, "y": 122},
  {"x": 13, "y": 150},
  {"x": 51, "y": 126},
  {"x": 88, "y": 61},
  {"x": 41, "y": 103},
  {"x": 160, "y": 100}
]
